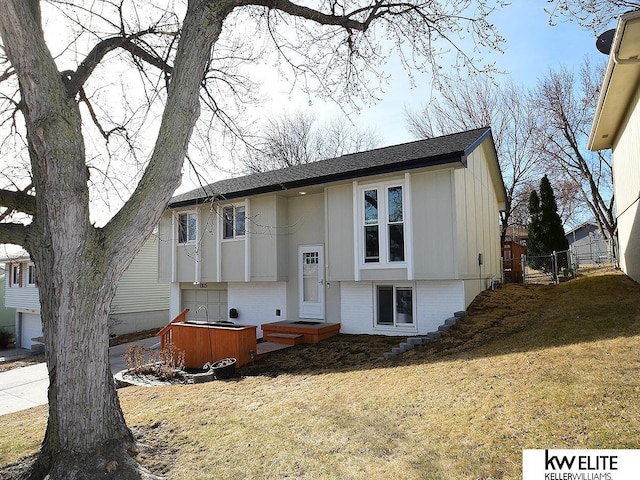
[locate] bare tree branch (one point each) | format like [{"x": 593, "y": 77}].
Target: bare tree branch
[
  {"x": 78, "y": 78},
  {"x": 18, "y": 200},
  {"x": 14, "y": 233}
]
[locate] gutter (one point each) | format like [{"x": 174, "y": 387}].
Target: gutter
[{"x": 614, "y": 60}]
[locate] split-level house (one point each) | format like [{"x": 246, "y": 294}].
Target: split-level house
[
  {"x": 141, "y": 301},
  {"x": 616, "y": 126},
  {"x": 390, "y": 241}
]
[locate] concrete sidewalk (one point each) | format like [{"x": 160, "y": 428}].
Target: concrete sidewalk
[{"x": 26, "y": 387}]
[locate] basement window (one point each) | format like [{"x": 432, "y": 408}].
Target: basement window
[{"x": 394, "y": 306}]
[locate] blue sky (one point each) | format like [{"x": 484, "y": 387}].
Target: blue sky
[{"x": 532, "y": 48}]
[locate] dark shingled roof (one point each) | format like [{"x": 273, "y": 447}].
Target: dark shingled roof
[{"x": 422, "y": 153}]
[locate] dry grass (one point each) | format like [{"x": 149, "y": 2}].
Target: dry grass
[{"x": 530, "y": 367}]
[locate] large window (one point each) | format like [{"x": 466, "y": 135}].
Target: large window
[
  {"x": 187, "y": 227},
  {"x": 234, "y": 221},
  {"x": 394, "y": 306},
  {"x": 383, "y": 224}
]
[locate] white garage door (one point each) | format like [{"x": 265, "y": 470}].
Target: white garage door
[
  {"x": 31, "y": 328},
  {"x": 205, "y": 305}
]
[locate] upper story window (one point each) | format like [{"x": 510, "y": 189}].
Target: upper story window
[
  {"x": 383, "y": 224},
  {"x": 234, "y": 221},
  {"x": 31, "y": 275},
  {"x": 16, "y": 274},
  {"x": 187, "y": 227}
]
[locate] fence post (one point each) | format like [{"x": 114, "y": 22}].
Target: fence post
[
  {"x": 523, "y": 262},
  {"x": 554, "y": 266}
]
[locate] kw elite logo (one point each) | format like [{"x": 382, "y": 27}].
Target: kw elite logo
[{"x": 580, "y": 464}]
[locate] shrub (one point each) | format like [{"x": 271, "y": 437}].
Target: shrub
[
  {"x": 5, "y": 338},
  {"x": 134, "y": 356},
  {"x": 167, "y": 364}
]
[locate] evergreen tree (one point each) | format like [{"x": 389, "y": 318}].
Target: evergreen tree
[
  {"x": 551, "y": 229},
  {"x": 533, "y": 239},
  {"x": 546, "y": 233}
]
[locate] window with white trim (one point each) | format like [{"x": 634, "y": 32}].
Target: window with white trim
[
  {"x": 394, "y": 306},
  {"x": 31, "y": 275},
  {"x": 187, "y": 227},
  {"x": 383, "y": 229},
  {"x": 234, "y": 221},
  {"x": 16, "y": 274}
]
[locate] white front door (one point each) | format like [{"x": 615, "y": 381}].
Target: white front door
[{"x": 311, "y": 281}]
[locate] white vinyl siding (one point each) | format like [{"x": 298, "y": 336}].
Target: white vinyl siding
[
  {"x": 626, "y": 175},
  {"x": 21, "y": 295},
  {"x": 477, "y": 217},
  {"x": 139, "y": 288},
  {"x": 433, "y": 223},
  {"x": 339, "y": 248}
]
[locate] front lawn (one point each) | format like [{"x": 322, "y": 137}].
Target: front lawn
[{"x": 530, "y": 367}]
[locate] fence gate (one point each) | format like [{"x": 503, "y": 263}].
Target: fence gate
[{"x": 554, "y": 268}]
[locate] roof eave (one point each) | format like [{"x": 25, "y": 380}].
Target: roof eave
[
  {"x": 412, "y": 164},
  {"x": 602, "y": 133}
]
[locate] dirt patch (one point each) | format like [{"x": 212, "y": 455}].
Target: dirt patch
[{"x": 132, "y": 337}]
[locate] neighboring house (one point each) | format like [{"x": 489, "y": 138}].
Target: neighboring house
[
  {"x": 616, "y": 125},
  {"x": 141, "y": 301},
  {"x": 517, "y": 234},
  {"x": 7, "y": 315},
  {"x": 390, "y": 241},
  {"x": 588, "y": 244}
]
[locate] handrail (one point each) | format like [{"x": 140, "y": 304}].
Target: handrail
[{"x": 166, "y": 334}]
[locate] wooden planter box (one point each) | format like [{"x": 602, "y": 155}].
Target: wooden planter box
[{"x": 204, "y": 343}]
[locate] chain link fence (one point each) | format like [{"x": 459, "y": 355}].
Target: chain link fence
[
  {"x": 558, "y": 266},
  {"x": 546, "y": 269},
  {"x": 593, "y": 251}
]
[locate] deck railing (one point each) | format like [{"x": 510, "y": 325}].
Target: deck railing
[{"x": 166, "y": 334}]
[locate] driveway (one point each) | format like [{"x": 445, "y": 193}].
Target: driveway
[{"x": 26, "y": 387}]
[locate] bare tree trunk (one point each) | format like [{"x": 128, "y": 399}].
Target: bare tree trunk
[
  {"x": 78, "y": 265},
  {"x": 86, "y": 434}
]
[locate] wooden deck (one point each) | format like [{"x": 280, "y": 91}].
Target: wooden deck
[{"x": 295, "y": 332}]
